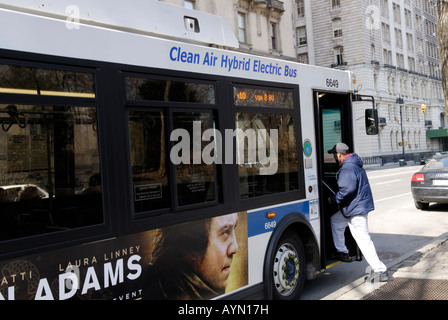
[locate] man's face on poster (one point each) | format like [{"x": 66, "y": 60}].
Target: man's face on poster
[{"x": 214, "y": 267}]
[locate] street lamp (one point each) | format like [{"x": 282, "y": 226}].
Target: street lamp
[{"x": 400, "y": 102}]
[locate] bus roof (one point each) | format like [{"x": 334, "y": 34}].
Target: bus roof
[{"x": 136, "y": 16}]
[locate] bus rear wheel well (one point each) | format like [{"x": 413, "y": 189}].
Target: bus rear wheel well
[{"x": 310, "y": 246}]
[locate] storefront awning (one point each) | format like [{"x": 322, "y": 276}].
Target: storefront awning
[{"x": 437, "y": 133}]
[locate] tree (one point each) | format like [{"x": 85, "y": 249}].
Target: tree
[{"x": 442, "y": 35}]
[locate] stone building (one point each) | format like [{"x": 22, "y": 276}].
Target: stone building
[
  {"x": 263, "y": 27},
  {"x": 391, "y": 47}
]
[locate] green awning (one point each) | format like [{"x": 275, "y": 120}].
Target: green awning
[{"x": 437, "y": 133}]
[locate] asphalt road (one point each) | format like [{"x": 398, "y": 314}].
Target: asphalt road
[{"x": 395, "y": 225}]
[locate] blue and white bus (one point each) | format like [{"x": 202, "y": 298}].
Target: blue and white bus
[{"x": 142, "y": 158}]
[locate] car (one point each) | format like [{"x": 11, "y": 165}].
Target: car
[
  {"x": 428, "y": 157},
  {"x": 13, "y": 191},
  {"x": 430, "y": 184}
]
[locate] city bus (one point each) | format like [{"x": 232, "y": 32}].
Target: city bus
[{"x": 143, "y": 157}]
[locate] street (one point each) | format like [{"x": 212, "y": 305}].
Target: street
[{"x": 396, "y": 227}]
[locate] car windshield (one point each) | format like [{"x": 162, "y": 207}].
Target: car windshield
[{"x": 437, "y": 164}]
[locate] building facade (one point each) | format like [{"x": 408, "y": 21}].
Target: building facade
[{"x": 390, "y": 45}]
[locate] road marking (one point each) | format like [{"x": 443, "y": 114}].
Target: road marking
[
  {"x": 388, "y": 173},
  {"x": 398, "y": 195},
  {"x": 380, "y": 183}
]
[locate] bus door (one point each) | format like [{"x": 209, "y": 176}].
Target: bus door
[{"x": 334, "y": 125}]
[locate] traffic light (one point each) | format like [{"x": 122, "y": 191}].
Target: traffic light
[
  {"x": 399, "y": 100},
  {"x": 423, "y": 108}
]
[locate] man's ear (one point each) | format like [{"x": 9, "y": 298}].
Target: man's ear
[{"x": 192, "y": 257}]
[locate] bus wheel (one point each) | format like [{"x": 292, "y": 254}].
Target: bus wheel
[{"x": 289, "y": 267}]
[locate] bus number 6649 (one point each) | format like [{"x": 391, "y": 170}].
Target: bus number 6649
[
  {"x": 270, "y": 225},
  {"x": 331, "y": 83}
]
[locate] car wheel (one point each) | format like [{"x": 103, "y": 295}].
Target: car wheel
[{"x": 421, "y": 205}]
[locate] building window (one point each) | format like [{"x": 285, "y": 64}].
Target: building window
[
  {"x": 242, "y": 27},
  {"x": 400, "y": 60},
  {"x": 189, "y": 4},
  {"x": 300, "y": 8},
  {"x": 387, "y": 56},
  {"x": 421, "y": 66},
  {"x": 419, "y": 45},
  {"x": 375, "y": 81},
  {"x": 419, "y": 22},
  {"x": 391, "y": 140},
  {"x": 411, "y": 64},
  {"x": 389, "y": 84},
  {"x": 408, "y": 17},
  {"x": 385, "y": 29},
  {"x": 301, "y": 36},
  {"x": 339, "y": 55},
  {"x": 384, "y": 8},
  {"x": 397, "y": 15},
  {"x": 337, "y": 28},
  {"x": 398, "y": 38},
  {"x": 410, "y": 42},
  {"x": 303, "y": 58},
  {"x": 390, "y": 112},
  {"x": 335, "y": 4},
  {"x": 273, "y": 34}
]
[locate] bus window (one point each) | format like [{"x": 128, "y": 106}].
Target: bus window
[
  {"x": 154, "y": 153},
  {"x": 195, "y": 179},
  {"x": 148, "y": 160},
  {"x": 49, "y": 169},
  {"x": 169, "y": 90},
  {"x": 266, "y": 164},
  {"x": 46, "y": 82}
]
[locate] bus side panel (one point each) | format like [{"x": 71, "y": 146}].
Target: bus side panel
[{"x": 147, "y": 264}]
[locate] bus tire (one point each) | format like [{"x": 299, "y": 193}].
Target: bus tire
[{"x": 288, "y": 271}]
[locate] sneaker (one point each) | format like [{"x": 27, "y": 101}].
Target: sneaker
[
  {"x": 343, "y": 256},
  {"x": 378, "y": 277}
]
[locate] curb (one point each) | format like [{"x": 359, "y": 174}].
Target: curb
[{"x": 358, "y": 288}]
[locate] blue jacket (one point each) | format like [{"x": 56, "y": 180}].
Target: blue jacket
[{"x": 354, "y": 195}]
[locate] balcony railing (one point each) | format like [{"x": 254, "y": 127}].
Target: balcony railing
[{"x": 275, "y": 4}]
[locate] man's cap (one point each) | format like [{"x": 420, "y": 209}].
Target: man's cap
[{"x": 339, "y": 147}]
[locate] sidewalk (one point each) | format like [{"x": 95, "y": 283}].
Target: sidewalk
[{"x": 418, "y": 275}]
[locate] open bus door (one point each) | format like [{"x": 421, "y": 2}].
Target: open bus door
[{"x": 334, "y": 114}]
